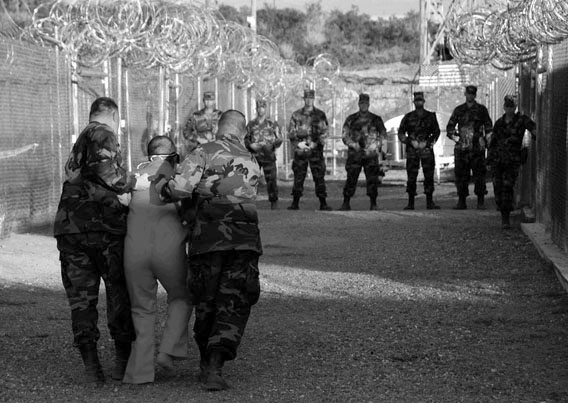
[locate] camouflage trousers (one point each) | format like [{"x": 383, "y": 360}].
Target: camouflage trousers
[
  {"x": 224, "y": 286},
  {"x": 85, "y": 259},
  {"x": 270, "y": 174},
  {"x": 316, "y": 161},
  {"x": 355, "y": 162},
  {"x": 504, "y": 178},
  {"x": 467, "y": 162},
  {"x": 413, "y": 160}
]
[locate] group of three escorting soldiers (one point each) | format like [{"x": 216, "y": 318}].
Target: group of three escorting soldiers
[{"x": 470, "y": 126}]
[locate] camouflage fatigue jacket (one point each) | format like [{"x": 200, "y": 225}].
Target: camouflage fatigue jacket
[
  {"x": 363, "y": 129},
  {"x": 421, "y": 127},
  {"x": 267, "y": 132},
  {"x": 472, "y": 123},
  {"x": 310, "y": 126},
  {"x": 223, "y": 177},
  {"x": 507, "y": 139},
  {"x": 201, "y": 127},
  {"x": 94, "y": 177}
]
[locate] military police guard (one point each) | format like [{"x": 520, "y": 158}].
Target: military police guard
[
  {"x": 201, "y": 126},
  {"x": 419, "y": 130},
  {"x": 474, "y": 126},
  {"x": 363, "y": 133},
  {"x": 307, "y": 132},
  {"x": 262, "y": 139}
]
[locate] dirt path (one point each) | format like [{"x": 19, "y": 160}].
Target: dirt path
[{"x": 359, "y": 306}]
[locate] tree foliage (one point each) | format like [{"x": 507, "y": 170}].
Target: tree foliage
[{"x": 355, "y": 39}]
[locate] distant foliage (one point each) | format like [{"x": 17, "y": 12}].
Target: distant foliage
[{"x": 352, "y": 37}]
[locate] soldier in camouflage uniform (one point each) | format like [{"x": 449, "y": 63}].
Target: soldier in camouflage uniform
[
  {"x": 307, "y": 132},
  {"x": 506, "y": 153},
  {"x": 263, "y": 137},
  {"x": 201, "y": 126},
  {"x": 363, "y": 133},
  {"x": 221, "y": 178},
  {"x": 419, "y": 130},
  {"x": 474, "y": 128},
  {"x": 90, "y": 226}
]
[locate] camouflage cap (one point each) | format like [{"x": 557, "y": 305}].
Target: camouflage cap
[
  {"x": 419, "y": 96},
  {"x": 471, "y": 89},
  {"x": 209, "y": 96},
  {"x": 261, "y": 103},
  {"x": 510, "y": 101},
  {"x": 309, "y": 94},
  {"x": 364, "y": 98}
]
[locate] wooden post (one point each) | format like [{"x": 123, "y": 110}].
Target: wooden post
[
  {"x": 177, "y": 128},
  {"x": 127, "y": 111},
  {"x": 161, "y": 101},
  {"x": 75, "y": 102},
  {"x": 167, "y": 81}
]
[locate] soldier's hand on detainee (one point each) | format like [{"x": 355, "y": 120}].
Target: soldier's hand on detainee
[
  {"x": 414, "y": 144},
  {"x": 355, "y": 146},
  {"x": 142, "y": 182},
  {"x": 124, "y": 198},
  {"x": 422, "y": 145},
  {"x": 166, "y": 170}
]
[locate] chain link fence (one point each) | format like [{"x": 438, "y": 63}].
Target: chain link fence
[
  {"x": 34, "y": 129},
  {"x": 45, "y": 104},
  {"x": 543, "y": 88}
]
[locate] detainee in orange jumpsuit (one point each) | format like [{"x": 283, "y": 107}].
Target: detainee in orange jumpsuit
[{"x": 155, "y": 251}]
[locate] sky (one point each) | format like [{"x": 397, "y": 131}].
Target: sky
[{"x": 371, "y": 7}]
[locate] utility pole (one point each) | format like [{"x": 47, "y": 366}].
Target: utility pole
[
  {"x": 424, "y": 40},
  {"x": 430, "y": 10},
  {"x": 252, "y": 23},
  {"x": 251, "y": 19}
]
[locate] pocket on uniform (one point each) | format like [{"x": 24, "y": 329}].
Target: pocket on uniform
[{"x": 253, "y": 283}]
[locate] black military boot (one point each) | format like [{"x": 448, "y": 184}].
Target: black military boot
[
  {"x": 122, "y": 352},
  {"x": 323, "y": 204},
  {"x": 481, "y": 202},
  {"x": 430, "y": 205},
  {"x": 213, "y": 376},
  {"x": 410, "y": 205},
  {"x": 345, "y": 206},
  {"x": 295, "y": 203},
  {"x": 461, "y": 204},
  {"x": 373, "y": 203},
  {"x": 505, "y": 223},
  {"x": 93, "y": 369},
  {"x": 274, "y": 205}
]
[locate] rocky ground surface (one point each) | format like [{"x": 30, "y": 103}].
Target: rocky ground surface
[{"x": 359, "y": 306}]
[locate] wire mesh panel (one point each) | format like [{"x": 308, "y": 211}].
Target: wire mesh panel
[
  {"x": 557, "y": 158},
  {"x": 35, "y": 134}
]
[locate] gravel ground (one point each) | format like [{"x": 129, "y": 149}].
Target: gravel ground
[{"x": 359, "y": 306}]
